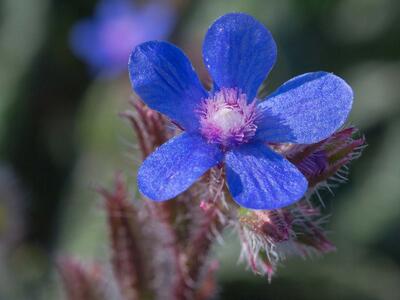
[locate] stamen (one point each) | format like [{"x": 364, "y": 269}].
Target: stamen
[{"x": 227, "y": 119}]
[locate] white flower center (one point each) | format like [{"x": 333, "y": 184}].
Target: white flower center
[{"x": 227, "y": 119}]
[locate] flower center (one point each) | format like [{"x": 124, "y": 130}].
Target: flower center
[{"x": 227, "y": 119}]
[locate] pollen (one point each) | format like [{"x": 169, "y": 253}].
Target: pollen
[{"x": 227, "y": 119}]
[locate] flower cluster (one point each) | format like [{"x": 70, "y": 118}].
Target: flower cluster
[{"x": 232, "y": 161}]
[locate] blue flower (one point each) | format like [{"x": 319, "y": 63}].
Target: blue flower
[
  {"x": 105, "y": 41},
  {"x": 229, "y": 124}
]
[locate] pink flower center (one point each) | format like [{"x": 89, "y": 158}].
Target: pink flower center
[{"x": 227, "y": 119}]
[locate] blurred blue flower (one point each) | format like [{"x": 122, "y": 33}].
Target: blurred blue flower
[
  {"x": 105, "y": 41},
  {"x": 229, "y": 124}
]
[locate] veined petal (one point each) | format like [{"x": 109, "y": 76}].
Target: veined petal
[
  {"x": 306, "y": 109},
  {"x": 175, "y": 165},
  {"x": 259, "y": 178},
  {"x": 239, "y": 52},
  {"x": 164, "y": 78}
]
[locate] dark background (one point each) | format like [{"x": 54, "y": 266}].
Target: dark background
[{"x": 60, "y": 135}]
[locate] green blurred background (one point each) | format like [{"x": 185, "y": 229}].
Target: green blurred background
[{"x": 60, "y": 135}]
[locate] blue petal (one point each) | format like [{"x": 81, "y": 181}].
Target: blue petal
[
  {"x": 259, "y": 178},
  {"x": 306, "y": 109},
  {"x": 239, "y": 52},
  {"x": 85, "y": 44},
  {"x": 163, "y": 77},
  {"x": 173, "y": 167}
]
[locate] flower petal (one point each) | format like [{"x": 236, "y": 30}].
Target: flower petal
[
  {"x": 239, "y": 52},
  {"x": 164, "y": 78},
  {"x": 306, "y": 109},
  {"x": 259, "y": 178},
  {"x": 85, "y": 44},
  {"x": 175, "y": 165}
]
